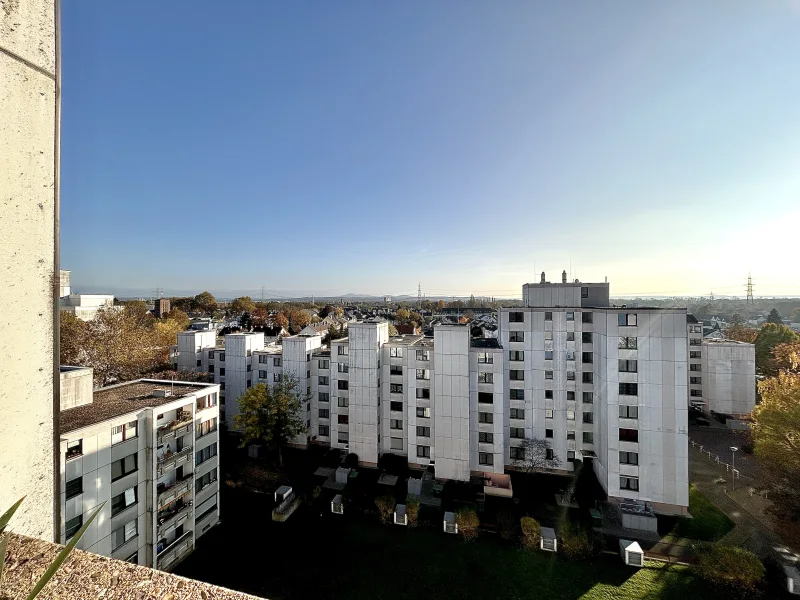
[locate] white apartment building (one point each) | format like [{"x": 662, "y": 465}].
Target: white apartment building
[
  {"x": 728, "y": 376},
  {"x": 86, "y": 306},
  {"x": 149, "y": 450}
]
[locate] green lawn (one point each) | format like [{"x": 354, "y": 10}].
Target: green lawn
[
  {"x": 354, "y": 557},
  {"x": 708, "y": 523}
]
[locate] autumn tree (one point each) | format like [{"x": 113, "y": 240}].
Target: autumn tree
[
  {"x": 393, "y": 330},
  {"x": 299, "y": 319},
  {"x": 272, "y": 415},
  {"x": 441, "y": 304},
  {"x": 402, "y": 315},
  {"x": 260, "y": 316},
  {"x": 787, "y": 357},
  {"x": 74, "y": 333},
  {"x": 180, "y": 317},
  {"x": 768, "y": 338},
  {"x": 741, "y": 333},
  {"x": 206, "y": 303},
  {"x": 281, "y": 320},
  {"x": 774, "y": 317},
  {"x": 243, "y": 304}
]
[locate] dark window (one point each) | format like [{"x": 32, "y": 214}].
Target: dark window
[
  {"x": 221, "y": 371},
  {"x": 548, "y": 394},
  {"x": 485, "y": 458},
  {"x": 199, "y": 363},
  {"x": 485, "y": 438},
  {"x": 696, "y": 393},
  {"x": 423, "y": 393},
  {"x": 517, "y": 394},
  {"x": 588, "y": 417},
  {"x": 74, "y": 449},
  {"x": 205, "y": 480},
  {"x": 516, "y": 432},
  {"x": 205, "y": 454},
  {"x": 516, "y": 375},
  {"x": 324, "y": 396},
  {"x": 571, "y": 396},
  {"x": 342, "y": 384},
  {"x": 485, "y": 417},
  {"x": 695, "y": 354},
  {"x": 324, "y": 430},
  {"x": 343, "y": 419},
  {"x": 586, "y": 317},
  {"x": 629, "y": 483},
  {"x": 548, "y": 355},
  {"x": 570, "y": 456},
  {"x": 517, "y": 453},
  {"x": 695, "y": 342},
  {"x": 124, "y": 466},
  {"x": 570, "y": 375},
  {"x": 324, "y": 413},
  {"x": 516, "y": 336},
  {"x": 548, "y": 433},
  {"x": 423, "y": 431},
  {"x": 695, "y": 368},
  {"x": 395, "y": 424},
  {"x": 628, "y": 435},
  {"x": 584, "y": 291},
  {"x": 628, "y": 412},
  {"x": 628, "y": 458},
  {"x": 627, "y": 366},
  {"x": 485, "y": 397},
  {"x": 588, "y": 437},
  {"x": 124, "y": 500},
  {"x": 72, "y": 526},
  {"x": 586, "y": 337},
  {"x": 74, "y": 487},
  {"x": 398, "y": 406},
  {"x": 548, "y": 454},
  {"x": 587, "y": 357},
  {"x": 516, "y": 413},
  {"x": 628, "y": 389},
  {"x": 395, "y": 370},
  {"x": 570, "y": 316},
  {"x": 548, "y": 316},
  {"x": 570, "y": 336},
  {"x": 516, "y": 317},
  {"x": 548, "y": 374},
  {"x": 396, "y": 388},
  {"x": 588, "y": 377},
  {"x": 423, "y": 451},
  {"x": 518, "y": 355}
]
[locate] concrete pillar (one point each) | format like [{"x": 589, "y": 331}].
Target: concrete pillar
[{"x": 29, "y": 273}]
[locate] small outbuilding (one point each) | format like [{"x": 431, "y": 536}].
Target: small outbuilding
[{"x": 631, "y": 552}]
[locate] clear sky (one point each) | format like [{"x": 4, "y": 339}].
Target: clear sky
[{"x": 332, "y": 147}]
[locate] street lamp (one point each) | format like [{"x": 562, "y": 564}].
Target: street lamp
[{"x": 734, "y": 449}]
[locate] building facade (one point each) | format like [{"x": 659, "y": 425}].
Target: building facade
[
  {"x": 729, "y": 377},
  {"x": 147, "y": 451}
]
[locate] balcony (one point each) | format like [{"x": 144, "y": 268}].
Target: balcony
[
  {"x": 175, "y": 550},
  {"x": 170, "y": 460},
  {"x": 174, "y": 491},
  {"x": 176, "y": 428},
  {"x": 175, "y": 516}
]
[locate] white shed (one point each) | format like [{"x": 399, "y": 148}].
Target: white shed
[
  {"x": 792, "y": 579},
  {"x": 549, "y": 542},
  {"x": 450, "y": 525},
  {"x": 337, "y": 505},
  {"x": 631, "y": 552},
  {"x": 342, "y": 474},
  {"x": 400, "y": 517},
  {"x": 282, "y": 493}
]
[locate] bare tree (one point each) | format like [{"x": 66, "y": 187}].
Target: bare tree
[{"x": 538, "y": 456}]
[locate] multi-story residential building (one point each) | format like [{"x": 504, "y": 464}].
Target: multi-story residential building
[
  {"x": 694, "y": 334},
  {"x": 161, "y": 307},
  {"x": 86, "y": 306},
  {"x": 729, "y": 377},
  {"x": 148, "y": 452}
]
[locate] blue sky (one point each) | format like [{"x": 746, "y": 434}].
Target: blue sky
[{"x": 333, "y": 147}]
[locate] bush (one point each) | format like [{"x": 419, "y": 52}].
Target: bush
[
  {"x": 574, "y": 542},
  {"x": 508, "y": 525},
  {"x": 468, "y": 523},
  {"x": 412, "y": 510},
  {"x": 531, "y": 532},
  {"x": 350, "y": 461},
  {"x": 315, "y": 493},
  {"x": 729, "y": 566},
  {"x": 385, "y": 506}
]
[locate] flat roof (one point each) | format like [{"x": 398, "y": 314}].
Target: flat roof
[
  {"x": 124, "y": 398},
  {"x": 725, "y": 342}
]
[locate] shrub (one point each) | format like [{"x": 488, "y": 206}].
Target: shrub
[
  {"x": 531, "y": 532},
  {"x": 350, "y": 461},
  {"x": 385, "y": 506},
  {"x": 412, "y": 510},
  {"x": 508, "y": 525},
  {"x": 729, "y": 566},
  {"x": 468, "y": 522},
  {"x": 574, "y": 542},
  {"x": 315, "y": 493}
]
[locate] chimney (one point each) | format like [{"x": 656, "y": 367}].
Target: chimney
[
  {"x": 563, "y": 277},
  {"x": 542, "y": 281}
]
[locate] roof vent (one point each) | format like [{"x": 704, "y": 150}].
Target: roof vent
[
  {"x": 563, "y": 277},
  {"x": 543, "y": 280},
  {"x": 161, "y": 393}
]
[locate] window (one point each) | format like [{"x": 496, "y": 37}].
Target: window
[
  {"x": 517, "y": 433},
  {"x": 343, "y": 419},
  {"x": 249, "y": 368},
  {"x": 74, "y": 449},
  {"x": 570, "y": 415},
  {"x": 308, "y": 357},
  {"x": 199, "y": 362},
  {"x": 571, "y": 396},
  {"x": 548, "y": 336},
  {"x": 342, "y": 384},
  {"x": 628, "y": 319},
  {"x": 74, "y": 487},
  {"x": 206, "y": 427},
  {"x": 548, "y": 433},
  {"x": 211, "y": 354},
  {"x": 423, "y": 355},
  {"x": 548, "y": 413},
  {"x": 516, "y": 375},
  {"x": 324, "y": 430},
  {"x": 423, "y": 431},
  {"x": 588, "y": 377},
  {"x": 516, "y": 394},
  {"x": 342, "y": 367},
  {"x": 222, "y": 386},
  {"x": 628, "y": 435},
  {"x": 342, "y": 351},
  {"x": 548, "y": 355},
  {"x": 588, "y": 437},
  {"x": 205, "y": 480},
  {"x": 548, "y": 454},
  {"x": 518, "y": 355},
  {"x": 397, "y": 406},
  {"x": 485, "y": 358},
  {"x": 485, "y": 377},
  {"x": 627, "y": 342},
  {"x": 423, "y": 374},
  {"x": 423, "y": 451},
  {"x": 695, "y": 367},
  {"x": 423, "y": 393},
  {"x": 485, "y": 458},
  {"x": 324, "y": 364},
  {"x": 570, "y": 456},
  {"x": 276, "y": 362},
  {"x": 324, "y": 413},
  {"x": 396, "y": 443},
  {"x": 517, "y": 453},
  {"x": 396, "y": 352},
  {"x": 587, "y": 357},
  {"x": 570, "y": 435},
  {"x": 586, "y": 337},
  {"x": 308, "y": 374},
  {"x": 627, "y": 366},
  {"x": 210, "y": 368},
  {"x": 263, "y": 359},
  {"x": 485, "y": 417},
  {"x": 250, "y": 383},
  {"x": 587, "y": 397},
  {"x": 695, "y": 354},
  {"x": 570, "y": 355},
  {"x": 570, "y": 375},
  {"x": 570, "y": 316},
  {"x": 396, "y": 388},
  {"x": 586, "y": 317},
  {"x": 342, "y": 402},
  {"x": 628, "y": 458},
  {"x": 584, "y": 291},
  {"x": 485, "y": 397},
  {"x": 122, "y": 501},
  {"x": 205, "y": 454},
  {"x": 548, "y": 374},
  {"x": 570, "y": 336},
  {"x": 588, "y": 417},
  {"x": 516, "y": 317},
  {"x": 124, "y": 534},
  {"x": 696, "y": 393},
  {"x": 695, "y": 342},
  {"x": 548, "y": 316},
  {"x": 133, "y": 558},
  {"x": 324, "y": 396},
  {"x": 628, "y": 389},
  {"x": 262, "y": 374},
  {"x": 516, "y": 413},
  {"x": 124, "y": 466},
  {"x": 516, "y": 336},
  {"x": 548, "y": 394},
  {"x": 395, "y": 423},
  {"x": 277, "y": 377},
  {"x": 628, "y": 412},
  {"x": 324, "y": 380},
  {"x": 485, "y": 437},
  {"x": 221, "y": 356},
  {"x": 629, "y": 483},
  {"x": 395, "y": 370}
]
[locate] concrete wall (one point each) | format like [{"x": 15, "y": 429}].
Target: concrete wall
[
  {"x": 729, "y": 377},
  {"x": 29, "y": 125},
  {"x": 565, "y": 294},
  {"x": 451, "y": 389},
  {"x": 365, "y": 344},
  {"x": 238, "y": 369},
  {"x": 76, "y": 386}
]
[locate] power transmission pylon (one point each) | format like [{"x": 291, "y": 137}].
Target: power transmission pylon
[
  {"x": 419, "y": 296},
  {"x": 750, "y": 300}
]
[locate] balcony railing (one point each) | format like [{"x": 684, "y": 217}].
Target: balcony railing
[
  {"x": 171, "y": 460},
  {"x": 177, "y": 548},
  {"x": 173, "y": 518},
  {"x": 175, "y": 491},
  {"x": 175, "y": 428}
]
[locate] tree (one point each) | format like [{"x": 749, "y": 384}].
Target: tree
[
  {"x": 412, "y": 510},
  {"x": 246, "y": 321},
  {"x": 415, "y": 318},
  {"x": 272, "y": 415},
  {"x": 281, "y": 320},
  {"x": 385, "y": 506},
  {"x": 538, "y": 456},
  {"x": 402, "y": 315},
  {"x": 531, "y": 532},
  {"x": 741, "y": 333},
  {"x": 574, "y": 541},
  {"x": 774, "y": 317},
  {"x": 729, "y": 567},
  {"x": 770, "y": 336},
  {"x": 180, "y": 317},
  {"x": 393, "y": 330},
  {"x": 299, "y": 319},
  {"x": 205, "y": 303},
  {"x": 260, "y": 316},
  {"x": 137, "y": 310},
  {"x": 795, "y": 318},
  {"x": 441, "y": 304},
  {"x": 787, "y": 357},
  {"x": 737, "y": 319},
  {"x": 74, "y": 334},
  {"x": 243, "y": 304},
  {"x": 468, "y": 523}
]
